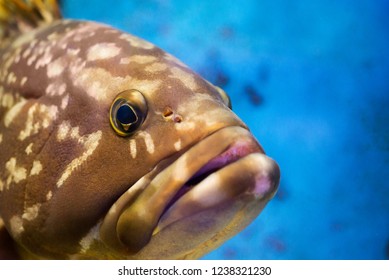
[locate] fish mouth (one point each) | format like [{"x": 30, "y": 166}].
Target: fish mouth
[{"x": 222, "y": 167}]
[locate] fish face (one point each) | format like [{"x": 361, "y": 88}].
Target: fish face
[{"x": 115, "y": 149}]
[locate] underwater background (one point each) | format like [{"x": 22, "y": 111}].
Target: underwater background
[{"x": 311, "y": 80}]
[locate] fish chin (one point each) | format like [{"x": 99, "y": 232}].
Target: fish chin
[{"x": 213, "y": 190}]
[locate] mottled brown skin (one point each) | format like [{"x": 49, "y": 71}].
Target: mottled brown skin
[{"x": 62, "y": 166}]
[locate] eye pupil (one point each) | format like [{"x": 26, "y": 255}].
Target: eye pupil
[{"x": 126, "y": 115}]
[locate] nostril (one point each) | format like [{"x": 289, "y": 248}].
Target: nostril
[
  {"x": 167, "y": 112},
  {"x": 177, "y": 119}
]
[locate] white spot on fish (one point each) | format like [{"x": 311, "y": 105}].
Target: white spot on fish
[
  {"x": 28, "y": 150},
  {"x": 53, "y": 36},
  {"x": 49, "y": 195},
  {"x": 102, "y": 51},
  {"x": 11, "y": 78},
  {"x": 82, "y": 36},
  {"x": 185, "y": 126},
  {"x": 23, "y": 81},
  {"x": 56, "y": 89},
  {"x": 65, "y": 102},
  {"x": 32, "y": 212},
  {"x": 16, "y": 224},
  {"x": 90, "y": 143},
  {"x": 186, "y": 78},
  {"x": 56, "y": 68},
  {"x": 17, "y": 58},
  {"x": 76, "y": 38},
  {"x": 45, "y": 59},
  {"x": 61, "y": 89},
  {"x": 32, "y": 59},
  {"x": 156, "y": 67},
  {"x": 148, "y": 141},
  {"x": 16, "y": 173},
  {"x": 77, "y": 66},
  {"x": 36, "y": 168},
  {"x": 140, "y": 59},
  {"x": 73, "y": 52},
  {"x": 75, "y": 132},
  {"x": 26, "y": 53},
  {"x": 133, "y": 148},
  {"x": 92, "y": 235},
  {"x": 7, "y": 100},
  {"x": 177, "y": 145},
  {"x": 63, "y": 131},
  {"x": 45, "y": 115}
]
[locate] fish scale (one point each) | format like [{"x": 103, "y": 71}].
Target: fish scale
[{"x": 81, "y": 180}]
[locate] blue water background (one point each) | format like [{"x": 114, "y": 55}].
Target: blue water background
[{"x": 311, "y": 80}]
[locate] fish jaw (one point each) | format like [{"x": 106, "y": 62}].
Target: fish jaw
[{"x": 229, "y": 173}]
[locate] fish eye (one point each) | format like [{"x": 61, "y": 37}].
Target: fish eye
[
  {"x": 128, "y": 112},
  {"x": 225, "y": 97}
]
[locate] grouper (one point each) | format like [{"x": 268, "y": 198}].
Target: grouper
[{"x": 111, "y": 148}]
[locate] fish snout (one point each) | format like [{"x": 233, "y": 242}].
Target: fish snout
[{"x": 214, "y": 189}]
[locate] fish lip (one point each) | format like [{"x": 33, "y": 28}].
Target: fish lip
[
  {"x": 236, "y": 153},
  {"x": 125, "y": 217},
  {"x": 233, "y": 153}
]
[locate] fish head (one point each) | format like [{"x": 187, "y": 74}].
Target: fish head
[{"x": 133, "y": 155}]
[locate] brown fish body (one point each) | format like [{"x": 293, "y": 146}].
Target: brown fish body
[{"x": 72, "y": 185}]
